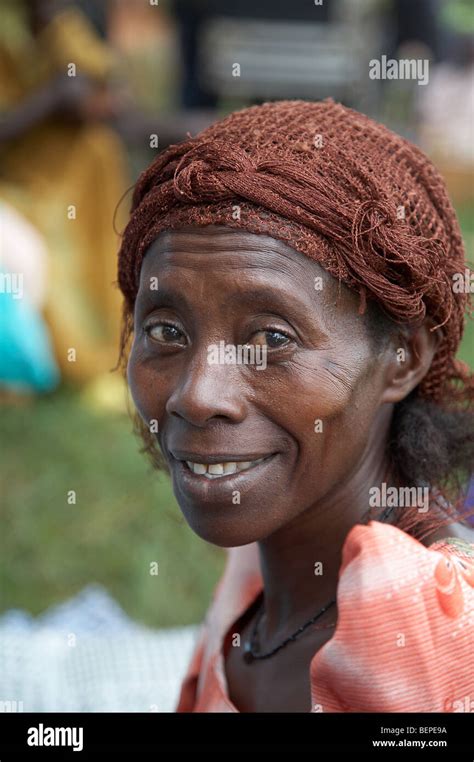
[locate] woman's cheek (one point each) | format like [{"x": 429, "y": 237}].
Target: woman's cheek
[
  {"x": 324, "y": 386},
  {"x": 142, "y": 383},
  {"x": 342, "y": 376}
]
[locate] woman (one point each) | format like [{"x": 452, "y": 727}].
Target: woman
[{"x": 336, "y": 449}]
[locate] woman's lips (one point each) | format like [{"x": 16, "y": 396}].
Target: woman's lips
[{"x": 231, "y": 475}]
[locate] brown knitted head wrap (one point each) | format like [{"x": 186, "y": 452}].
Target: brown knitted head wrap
[{"x": 333, "y": 184}]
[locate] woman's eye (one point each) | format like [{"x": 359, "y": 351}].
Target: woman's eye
[
  {"x": 271, "y": 339},
  {"x": 165, "y": 333}
]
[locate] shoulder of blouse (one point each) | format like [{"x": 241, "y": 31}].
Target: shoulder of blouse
[{"x": 404, "y": 636}]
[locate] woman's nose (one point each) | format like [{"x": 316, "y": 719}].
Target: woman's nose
[{"x": 206, "y": 391}]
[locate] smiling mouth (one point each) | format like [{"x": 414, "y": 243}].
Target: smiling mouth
[
  {"x": 226, "y": 468},
  {"x": 218, "y": 466}
]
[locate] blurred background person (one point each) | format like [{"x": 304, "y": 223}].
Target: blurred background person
[{"x": 64, "y": 169}]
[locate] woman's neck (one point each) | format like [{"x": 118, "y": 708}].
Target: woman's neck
[{"x": 300, "y": 563}]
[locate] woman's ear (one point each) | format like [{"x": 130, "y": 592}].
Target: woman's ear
[{"x": 410, "y": 355}]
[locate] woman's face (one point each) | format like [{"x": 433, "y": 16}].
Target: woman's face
[{"x": 307, "y": 406}]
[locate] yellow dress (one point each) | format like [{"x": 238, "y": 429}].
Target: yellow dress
[{"x": 67, "y": 179}]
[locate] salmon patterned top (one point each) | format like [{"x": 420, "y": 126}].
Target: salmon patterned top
[{"x": 404, "y": 639}]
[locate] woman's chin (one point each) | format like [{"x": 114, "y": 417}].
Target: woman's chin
[{"x": 221, "y": 529}]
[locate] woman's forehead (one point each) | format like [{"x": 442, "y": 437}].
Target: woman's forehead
[
  {"x": 180, "y": 257},
  {"x": 216, "y": 248}
]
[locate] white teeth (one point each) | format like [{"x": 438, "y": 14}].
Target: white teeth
[
  {"x": 217, "y": 470},
  {"x": 198, "y": 468},
  {"x": 245, "y": 464}
]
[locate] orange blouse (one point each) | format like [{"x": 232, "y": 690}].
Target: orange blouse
[{"x": 404, "y": 637}]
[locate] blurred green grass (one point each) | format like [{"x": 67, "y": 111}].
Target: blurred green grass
[{"x": 125, "y": 517}]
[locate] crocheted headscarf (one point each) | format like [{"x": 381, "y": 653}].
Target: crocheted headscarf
[{"x": 333, "y": 184}]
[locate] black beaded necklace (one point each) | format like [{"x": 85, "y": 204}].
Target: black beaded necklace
[{"x": 252, "y": 646}]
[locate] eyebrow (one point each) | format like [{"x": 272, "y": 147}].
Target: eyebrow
[
  {"x": 161, "y": 297},
  {"x": 271, "y": 297}
]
